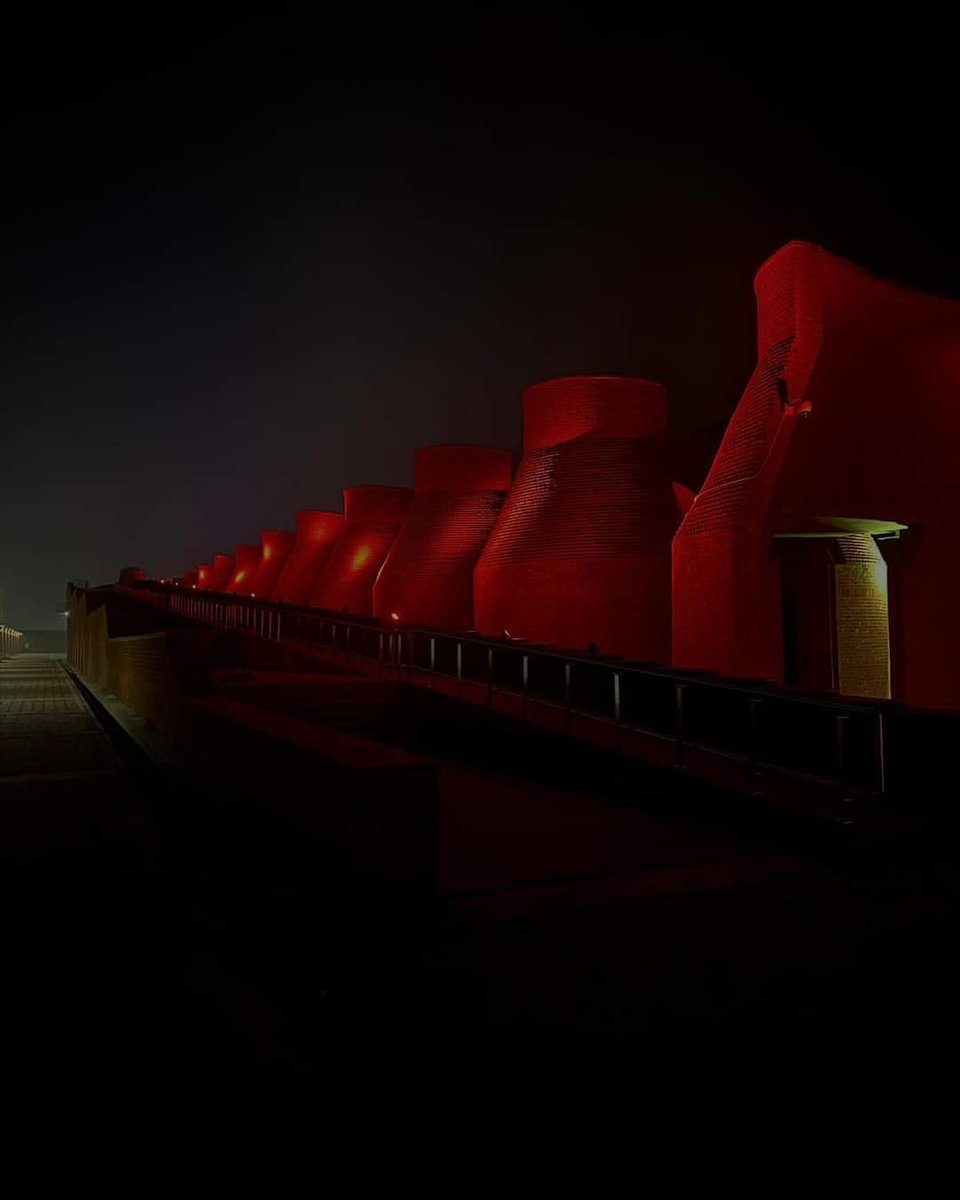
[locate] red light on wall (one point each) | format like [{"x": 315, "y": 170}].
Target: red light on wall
[
  {"x": 580, "y": 553},
  {"x": 848, "y": 425},
  {"x": 316, "y": 535},
  {"x": 223, "y": 569},
  {"x": 276, "y": 546},
  {"x": 372, "y": 516},
  {"x": 204, "y": 576},
  {"x": 246, "y": 560},
  {"x": 428, "y": 574}
]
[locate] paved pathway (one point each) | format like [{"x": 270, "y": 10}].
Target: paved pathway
[{"x": 47, "y": 732}]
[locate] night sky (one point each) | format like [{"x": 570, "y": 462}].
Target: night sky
[{"x": 248, "y": 264}]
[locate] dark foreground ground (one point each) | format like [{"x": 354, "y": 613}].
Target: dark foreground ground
[{"x": 620, "y": 929}]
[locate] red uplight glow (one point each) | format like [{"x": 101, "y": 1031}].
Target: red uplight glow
[
  {"x": 580, "y": 553},
  {"x": 428, "y": 574},
  {"x": 316, "y": 535},
  {"x": 371, "y": 520}
]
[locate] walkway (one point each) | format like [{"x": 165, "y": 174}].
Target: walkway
[{"x": 63, "y": 786}]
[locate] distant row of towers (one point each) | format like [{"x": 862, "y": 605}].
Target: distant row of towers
[{"x": 820, "y": 551}]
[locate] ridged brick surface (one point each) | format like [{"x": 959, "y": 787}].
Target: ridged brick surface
[
  {"x": 246, "y": 560},
  {"x": 372, "y": 517},
  {"x": 849, "y": 425},
  {"x": 317, "y": 534},
  {"x": 580, "y": 551},
  {"x": 275, "y": 547},
  {"x": 427, "y": 578}
]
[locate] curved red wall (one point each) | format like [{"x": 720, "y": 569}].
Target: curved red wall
[
  {"x": 580, "y": 553},
  {"x": 317, "y": 534},
  {"x": 427, "y": 578},
  {"x": 372, "y": 517},
  {"x": 204, "y": 577},
  {"x": 246, "y": 560},
  {"x": 189, "y": 579},
  {"x": 275, "y": 547},
  {"x": 849, "y": 424},
  {"x": 222, "y": 572}
]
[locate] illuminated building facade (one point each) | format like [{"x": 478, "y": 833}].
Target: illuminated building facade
[
  {"x": 822, "y": 550},
  {"x": 427, "y": 578},
  {"x": 246, "y": 560},
  {"x": 316, "y": 536},
  {"x": 580, "y": 553},
  {"x": 275, "y": 547},
  {"x": 372, "y": 517},
  {"x": 222, "y": 572}
]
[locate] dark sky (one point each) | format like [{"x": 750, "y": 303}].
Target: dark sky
[{"x": 245, "y": 265}]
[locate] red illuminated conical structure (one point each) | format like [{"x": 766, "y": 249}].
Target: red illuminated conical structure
[
  {"x": 317, "y": 534},
  {"x": 372, "y": 517},
  {"x": 222, "y": 572},
  {"x": 246, "y": 560},
  {"x": 580, "y": 553},
  {"x": 835, "y": 484},
  {"x": 427, "y": 578},
  {"x": 204, "y": 577},
  {"x": 275, "y": 547}
]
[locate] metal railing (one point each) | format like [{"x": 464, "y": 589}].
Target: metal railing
[
  {"x": 11, "y": 641},
  {"x": 762, "y": 728}
]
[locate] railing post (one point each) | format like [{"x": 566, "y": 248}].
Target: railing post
[
  {"x": 433, "y": 659},
  {"x": 616, "y": 709},
  {"x": 881, "y": 751},
  {"x": 526, "y": 682},
  {"x": 678, "y": 701},
  {"x": 841, "y": 745},
  {"x": 489, "y": 676},
  {"x": 459, "y": 668},
  {"x": 567, "y": 692},
  {"x": 754, "y": 734}
]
